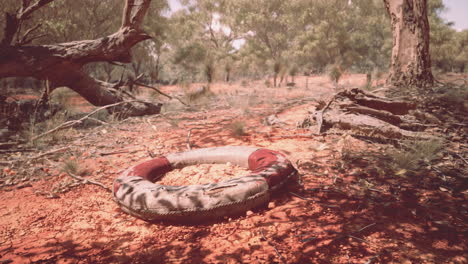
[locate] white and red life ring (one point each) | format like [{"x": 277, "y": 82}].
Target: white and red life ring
[{"x": 137, "y": 194}]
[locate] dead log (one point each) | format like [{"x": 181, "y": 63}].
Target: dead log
[
  {"x": 61, "y": 64},
  {"x": 369, "y": 115}
]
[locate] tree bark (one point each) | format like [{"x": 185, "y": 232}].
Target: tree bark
[
  {"x": 61, "y": 64},
  {"x": 411, "y": 62}
]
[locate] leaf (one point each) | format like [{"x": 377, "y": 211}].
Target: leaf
[{"x": 401, "y": 172}]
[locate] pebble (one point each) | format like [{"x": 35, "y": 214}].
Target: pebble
[
  {"x": 271, "y": 205},
  {"x": 249, "y": 213}
]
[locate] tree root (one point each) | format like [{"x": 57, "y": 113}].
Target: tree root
[{"x": 370, "y": 115}]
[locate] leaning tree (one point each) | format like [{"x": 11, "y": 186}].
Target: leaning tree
[
  {"x": 411, "y": 62},
  {"x": 62, "y": 64}
]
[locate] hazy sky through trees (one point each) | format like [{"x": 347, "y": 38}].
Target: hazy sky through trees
[{"x": 456, "y": 12}]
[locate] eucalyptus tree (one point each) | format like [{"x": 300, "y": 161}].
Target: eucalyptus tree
[
  {"x": 269, "y": 27},
  {"x": 62, "y": 64},
  {"x": 411, "y": 60},
  {"x": 203, "y": 37},
  {"x": 346, "y": 34}
]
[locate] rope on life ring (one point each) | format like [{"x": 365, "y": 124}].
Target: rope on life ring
[{"x": 137, "y": 194}]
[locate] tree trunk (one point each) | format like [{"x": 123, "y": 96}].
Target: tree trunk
[
  {"x": 411, "y": 63},
  {"x": 61, "y": 64}
]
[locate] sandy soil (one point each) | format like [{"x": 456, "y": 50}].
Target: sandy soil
[{"x": 347, "y": 211}]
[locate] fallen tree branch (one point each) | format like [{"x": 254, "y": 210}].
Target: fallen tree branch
[{"x": 161, "y": 92}]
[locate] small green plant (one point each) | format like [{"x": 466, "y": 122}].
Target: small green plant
[
  {"x": 415, "y": 155},
  {"x": 238, "y": 128}
]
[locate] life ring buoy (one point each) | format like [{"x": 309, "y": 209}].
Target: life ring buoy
[{"x": 137, "y": 194}]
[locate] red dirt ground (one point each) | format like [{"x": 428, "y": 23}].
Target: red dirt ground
[{"x": 345, "y": 212}]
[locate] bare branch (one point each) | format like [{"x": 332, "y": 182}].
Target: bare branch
[
  {"x": 134, "y": 13},
  {"x": 89, "y": 181},
  {"x": 26, "y": 3},
  {"x": 24, "y": 40},
  {"x": 31, "y": 8},
  {"x": 13, "y": 21}
]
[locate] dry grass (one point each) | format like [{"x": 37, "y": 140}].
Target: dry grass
[
  {"x": 414, "y": 156},
  {"x": 238, "y": 128}
]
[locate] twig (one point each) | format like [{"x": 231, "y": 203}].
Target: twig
[
  {"x": 160, "y": 92},
  {"x": 308, "y": 199},
  {"x": 97, "y": 120},
  {"x": 120, "y": 152},
  {"x": 444, "y": 177},
  {"x": 355, "y": 232},
  {"x": 88, "y": 181},
  {"x": 460, "y": 156},
  {"x": 302, "y": 197},
  {"x": 362, "y": 229},
  {"x": 188, "y": 139},
  {"x": 372, "y": 259},
  {"x": 24, "y": 39},
  {"x": 357, "y": 238},
  {"x": 319, "y": 115},
  {"x": 113, "y": 153},
  {"x": 276, "y": 250},
  {"x": 71, "y": 123},
  {"x": 48, "y": 153}
]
